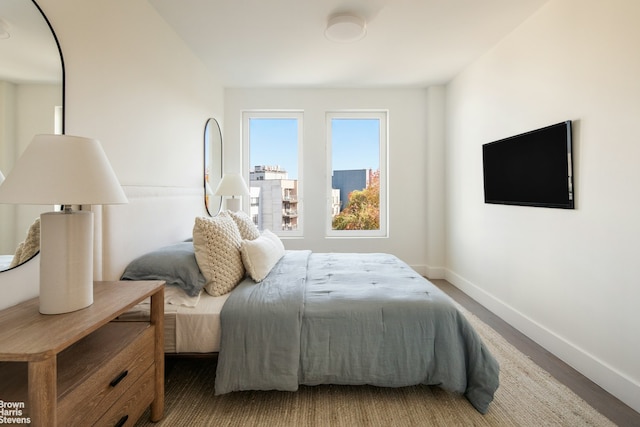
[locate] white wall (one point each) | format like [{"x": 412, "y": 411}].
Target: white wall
[
  {"x": 407, "y": 162},
  {"x": 567, "y": 278},
  {"x": 132, "y": 83}
]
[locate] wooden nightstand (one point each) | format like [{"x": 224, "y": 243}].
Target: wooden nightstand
[{"x": 81, "y": 368}]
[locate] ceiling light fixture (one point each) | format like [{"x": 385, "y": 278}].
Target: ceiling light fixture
[{"x": 345, "y": 28}]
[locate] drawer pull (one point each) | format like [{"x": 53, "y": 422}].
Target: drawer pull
[
  {"x": 119, "y": 378},
  {"x": 121, "y": 421}
]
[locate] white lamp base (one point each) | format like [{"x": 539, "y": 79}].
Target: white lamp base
[
  {"x": 233, "y": 204},
  {"x": 66, "y": 261}
]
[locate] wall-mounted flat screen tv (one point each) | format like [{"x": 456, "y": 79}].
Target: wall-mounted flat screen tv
[{"x": 531, "y": 169}]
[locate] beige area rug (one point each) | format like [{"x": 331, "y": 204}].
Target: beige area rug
[{"x": 528, "y": 396}]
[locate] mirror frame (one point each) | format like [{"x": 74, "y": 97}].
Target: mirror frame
[
  {"x": 63, "y": 88},
  {"x": 210, "y": 182},
  {"x": 55, "y": 38}
]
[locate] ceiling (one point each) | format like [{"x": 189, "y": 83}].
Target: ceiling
[{"x": 281, "y": 43}]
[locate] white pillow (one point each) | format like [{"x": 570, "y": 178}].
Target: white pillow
[
  {"x": 216, "y": 243},
  {"x": 261, "y": 254}
]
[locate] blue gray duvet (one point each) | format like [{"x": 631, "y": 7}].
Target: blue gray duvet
[{"x": 336, "y": 318}]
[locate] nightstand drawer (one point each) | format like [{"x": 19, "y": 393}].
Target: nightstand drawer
[
  {"x": 132, "y": 404},
  {"x": 113, "y": 359}
]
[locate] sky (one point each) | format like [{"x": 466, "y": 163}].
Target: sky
[{"x": 355, "y": 144}]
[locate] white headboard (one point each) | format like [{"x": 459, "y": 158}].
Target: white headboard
[{"x": 154, "y": 217}]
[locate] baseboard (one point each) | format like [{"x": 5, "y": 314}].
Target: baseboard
[
  {"x": 429, "y": 272},
  {"x": 420, "y": 269},
  {"x": 614, "y": 382}
]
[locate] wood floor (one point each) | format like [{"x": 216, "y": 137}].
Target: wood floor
[{"x": 593, "y": 394}]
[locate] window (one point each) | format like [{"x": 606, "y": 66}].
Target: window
[
  {"x": 357, "y": 159},
  {"x": 272, "y": 146}
]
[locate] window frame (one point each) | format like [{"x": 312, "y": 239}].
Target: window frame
[
  {"x": 383, "y": 118},
  {"x": 298, "y": 115}
]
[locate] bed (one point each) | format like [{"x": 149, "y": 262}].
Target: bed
[{"x": 279, "y": 319}]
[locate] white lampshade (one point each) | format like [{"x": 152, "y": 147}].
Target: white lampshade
[
  {"x": 1, "y": 177},
  {"x": 232, "y": 184},
  {"x": 62, "y": 170}
]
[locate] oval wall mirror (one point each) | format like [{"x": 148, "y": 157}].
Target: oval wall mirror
[
  {"x": 212, "y": 166},
  {"x": 31, "y": 102}
]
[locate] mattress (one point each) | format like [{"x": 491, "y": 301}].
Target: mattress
[{"x": 191, "y": 325}]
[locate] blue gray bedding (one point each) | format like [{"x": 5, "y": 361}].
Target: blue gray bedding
[{"x": 329, "y": 318}]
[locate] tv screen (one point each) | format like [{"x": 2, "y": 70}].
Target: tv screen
[{"x": 530, "y": 169}]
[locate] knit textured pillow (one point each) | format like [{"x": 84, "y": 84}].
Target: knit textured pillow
[
  {"x": 248, "y": 230},
  {"x": 29, "y": 247},
  {"x": 216, "y": 242}
]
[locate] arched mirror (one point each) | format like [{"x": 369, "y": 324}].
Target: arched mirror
[
  {"x": 31, "y": 103},
  {"x": 212, "y": 165}
]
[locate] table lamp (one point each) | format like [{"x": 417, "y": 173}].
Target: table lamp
[
  {"x": 232, "y": 185},
  {"x": 68, "y": 171}
]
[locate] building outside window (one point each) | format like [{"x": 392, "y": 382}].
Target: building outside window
[
  {"x": 276, "y": 201},
  {"x": 273, "y": 141}
]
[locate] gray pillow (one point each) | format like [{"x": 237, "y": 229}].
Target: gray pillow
[{"x": 176, "y": 264}]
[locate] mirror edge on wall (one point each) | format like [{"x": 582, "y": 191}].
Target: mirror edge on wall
[
  {"x": 55, "y": 38},
  {"x": 212, "y": 175},
  {"x": 63, "y": 99}
]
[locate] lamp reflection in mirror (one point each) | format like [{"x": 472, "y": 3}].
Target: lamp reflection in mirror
[
  {"x": 232, "y": 184},
  {"x": 64, "y": 170},
  {"x": 207, "y": 189}
]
